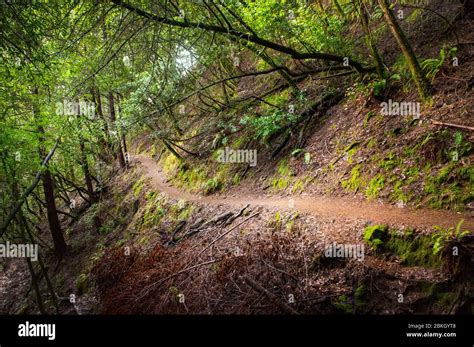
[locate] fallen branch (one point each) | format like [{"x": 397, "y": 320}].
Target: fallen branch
[
  {"x": 259, "y": 288},
  {"x": 224, "y": 234},
  {"x": 157, "y": 284},
  {"x": 453, "y": 125}
]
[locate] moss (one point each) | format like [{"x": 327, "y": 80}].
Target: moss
[
  {"x": 360, "y": 295},
  {"x": 152, "y": 152},
  {"x": 355, "y": 182},
  {"x": 137, "y": 187},
  {"x": 82, "y": 283},
  {"x": 139, "y": 148},
  {"x": 236, "y": 179},
  {"x": 90, "y": 215},
  {"x": 375, "y": 235},
  {"x": 107, "y": 227},
  {"x": 182, "y": 210},
  {"x": 399, "y": 194},
  {"x": 298, "y": 186},
  {"x": 351, "y": 150},
  {"x": 446, "y": 300},
  {"x": 170, "y": 164},
  {"x": 451, "y": 187},
  {"x": 238, "y": 142},
  {"x": 372, "y": 143},
  {"x": 279, "y": 184},
  {"x": 153, "y": 211},
  {"x": 284, "y": 168},
  {"x": 191, "y": 179},
  {"x": 443, "y": 174},
  {"x": 282, "y": 179},
  {"x": 343, "y": 304},
  {"x": 212, "y": 185},
  {"x": 368, "y": 117},
  {"x": 276, "y": 223},
  {"x": 412, "y": 249},
  {"x": 391, "y": 161},
  {"x": 374, "y": 187}
]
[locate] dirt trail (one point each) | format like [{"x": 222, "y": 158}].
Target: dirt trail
[{"x": 333, "y": 207}]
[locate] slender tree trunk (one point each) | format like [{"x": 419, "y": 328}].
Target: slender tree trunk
[
  {"x": 34, "y": 278},
  {"x": 422, "y": 84},
  {"x": 369, "y": 39},
  {"x": 123, "y": 135},
  {"x": 56, "y": 232},
  {"x": 48, "y": 189},
  {"x": 54, "y": 297},
  {"x": 113, "y": 120},
  {"x": 87, "y": 174},
  {"x": 34, "y": 282},
  {"x": 100, "y": 112}
]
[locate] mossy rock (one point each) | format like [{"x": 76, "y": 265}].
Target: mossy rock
[{"x": 375, "y": 235}]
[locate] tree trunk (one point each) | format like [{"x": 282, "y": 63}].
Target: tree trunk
[
  {"x": 98, "y": 100},
  {"x": 123, "y": 137},
  {"x": 87, "y": 173},
  {"x": 369, "y": 39},
  {"x": 48, "y": 189},
  {"x": 56, "y": 232},
  {"x": 422, "y": 84},
  {"x": 113, "y": 120}
]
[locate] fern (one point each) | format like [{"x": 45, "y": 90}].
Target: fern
[
  {"x": 432, "y": 66},
  {"x": 445, "y": 236}
]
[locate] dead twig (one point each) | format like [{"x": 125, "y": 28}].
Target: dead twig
[
  {"x": 453, "y": 125},
  {"x": 227, "y": 232},
  {"x": 259, "y": 288}
]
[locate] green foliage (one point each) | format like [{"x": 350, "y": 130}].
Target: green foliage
[
  {"x": 154, "y": 210},
  {"x": 375, "y": 235},
  {"x": 411, "y": 248},
  {"x": 82, "y": 283},
  {"x": 391, "y": 161},
  {"x": 307, "y": 158},
  {"x": 368, "y": 117},
  {"x": 351, "y": 150},
  {"x": 296, "y": 152},
  {"x": 374, "y": 187},
  {"x": 444, "y": 237},
  {"x": 298, "y": 186},
  {"x": 344, "y": 305},
  {"x": 432, "y": 66},
  {"x": 282, "y": 179},
  {"x": 355, "y": 182},
  {"x": 212, "y": 185},
  {"x": 277, "y": 222},
  {"x": 379, "y": 87},
  {"x": 138, "y": 186},
  {"x": 267, "y": 125}
]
